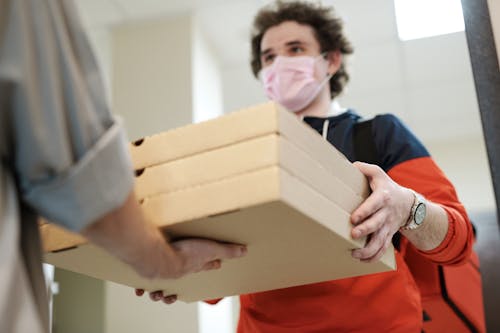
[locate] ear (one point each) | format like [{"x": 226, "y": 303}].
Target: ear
[{"x": 334, "y": 61}]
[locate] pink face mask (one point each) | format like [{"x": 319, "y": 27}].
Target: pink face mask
[{"x": 290, "y": 81}]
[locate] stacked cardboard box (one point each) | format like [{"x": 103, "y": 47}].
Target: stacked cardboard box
[{"x": 259, "y": 177}]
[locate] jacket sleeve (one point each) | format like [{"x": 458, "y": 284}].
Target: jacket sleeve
[{"x": 425, "y": 177}]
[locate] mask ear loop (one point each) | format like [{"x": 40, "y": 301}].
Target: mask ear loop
[
  {"x": 326, "y": 123},
  {"x": 325, "y": 57}
]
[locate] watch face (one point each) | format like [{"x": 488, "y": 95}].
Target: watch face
[{"x": 420, "y": 213}]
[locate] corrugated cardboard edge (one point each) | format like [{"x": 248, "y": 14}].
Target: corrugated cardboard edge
[
  {"x": 55, "y": 238},
  {"x": 243, "y": 157},
  {"x": 208, "y": 166},
  {"x": 175, "y": 207}
]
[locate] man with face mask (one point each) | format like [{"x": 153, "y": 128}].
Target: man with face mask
[{"x": 297, "y": 53}]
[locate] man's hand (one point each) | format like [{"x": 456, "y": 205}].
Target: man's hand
[
  {"x": 195, "y": 255},
  {"x": 126, "y": 234},
  {"x": 381, "y": 215}
]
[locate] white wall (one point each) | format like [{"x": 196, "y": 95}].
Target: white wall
[
  {"x": 466, "y": 164},
  {"x": 152, "y": 74},
  {"x": 206, "y": 80},
  {"x": 241, "y": 89},
  {"x": 127, "y": 313}
]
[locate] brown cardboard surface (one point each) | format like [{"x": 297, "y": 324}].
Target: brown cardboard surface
[
  {"x": 289, "y": 228},
  {"x": 55, "y": 238},
  {"x": 243, "y": 125},
  {"x": 242, "y": 157}
]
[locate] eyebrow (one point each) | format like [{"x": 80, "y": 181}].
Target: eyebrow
[
  {"x": 290, "y": 43},
  {"x": 294, "y": 43}
]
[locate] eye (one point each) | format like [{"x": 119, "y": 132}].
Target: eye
[
  {"x": 297, "y": 49},
  {"x": 268, "y": 59}
]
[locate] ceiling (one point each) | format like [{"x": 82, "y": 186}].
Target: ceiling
[{"x": 428, "y": 82}]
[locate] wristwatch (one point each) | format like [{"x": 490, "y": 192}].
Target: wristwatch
[{"x": 417, "y": 213}]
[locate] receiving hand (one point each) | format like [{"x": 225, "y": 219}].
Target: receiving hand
[
  {"x": 197, "y": 255},
  {"x": 381, "y": 215}
]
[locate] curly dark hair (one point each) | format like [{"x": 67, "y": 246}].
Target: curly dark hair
[{"x": 327, "y": 28}]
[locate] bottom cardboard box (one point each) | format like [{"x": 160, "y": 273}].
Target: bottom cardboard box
[{"x": 295, "y": 236}]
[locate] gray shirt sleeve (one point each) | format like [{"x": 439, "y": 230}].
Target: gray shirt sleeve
[{"x": 68, "y": 152}]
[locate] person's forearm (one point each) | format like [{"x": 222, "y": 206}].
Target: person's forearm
[
  {"x": 126, "y": 234},
  {"x": 433, "y": 230}
]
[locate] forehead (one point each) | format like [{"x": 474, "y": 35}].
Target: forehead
[{"x": 278, "y": 35}]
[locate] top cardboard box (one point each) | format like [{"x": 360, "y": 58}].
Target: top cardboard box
[{"x": 246, "y": 124}]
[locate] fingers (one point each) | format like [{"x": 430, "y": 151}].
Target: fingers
[
  {"x": 380, "y": 184},
  {"x": 380, "y": 252},
  {"x": 208, "y": 250},
  {"x": 216, "y": 252},
  {"x": 227, "y": 251},
  {"x": 197, "y": 254},
  {"x": 369, "y": 226},
  {"x": 370, "y": 206},
  {"x": 156, "y": 296},
  {"x": 375, "y": 247},
  {"x": 380, "y": 215},
  {"x": 170, "y": 299}
]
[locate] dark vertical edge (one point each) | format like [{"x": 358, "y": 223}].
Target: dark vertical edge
[{"x": 485, "y": 68}]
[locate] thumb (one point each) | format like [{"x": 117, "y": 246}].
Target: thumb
[
  {"x": 228, "y": 251},
  {"x": 369, "y": 170}
]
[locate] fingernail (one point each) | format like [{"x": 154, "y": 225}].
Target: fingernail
[
  {"x": 356, "y": 255},
  {"x": 356, "y": 233},
  {"x": 169, "y": 300}
]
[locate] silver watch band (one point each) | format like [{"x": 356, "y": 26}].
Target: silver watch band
[{"x": 417, "y": 212}]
